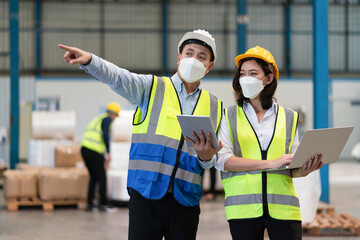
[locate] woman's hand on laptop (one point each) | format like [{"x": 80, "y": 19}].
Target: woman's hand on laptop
[
  {"x": 284, "y": 160},
  {"x": 313, "y": 164}
]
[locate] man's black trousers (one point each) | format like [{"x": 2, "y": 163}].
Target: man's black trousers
[
  {"x": 153, "y": 219},
  {"x": 95, "y": 165}
]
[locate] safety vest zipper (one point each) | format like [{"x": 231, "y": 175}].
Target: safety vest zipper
[
  {"x": 177, "y": 163},
  {"x": 264, "y": 186}
]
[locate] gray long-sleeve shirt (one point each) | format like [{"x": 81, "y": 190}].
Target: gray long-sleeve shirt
[{"x": 136, "y": 88}]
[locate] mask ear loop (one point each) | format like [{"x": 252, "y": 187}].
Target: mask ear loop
[{"x": 271, "y": 68}]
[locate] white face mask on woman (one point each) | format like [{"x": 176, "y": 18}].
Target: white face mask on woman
[
  {"x": 251, "y": 86},
  {"x": 191, "y": 69}
]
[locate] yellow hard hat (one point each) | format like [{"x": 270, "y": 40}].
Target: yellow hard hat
[
  {"x": 261, "y": 53},
  {"x": 113, "y": 107}
]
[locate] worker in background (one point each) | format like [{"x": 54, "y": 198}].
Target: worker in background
[
  {"x": 253, "y": 130},
  {"x": 165, "y": 175},
  {"x": 95, "y": 150}
]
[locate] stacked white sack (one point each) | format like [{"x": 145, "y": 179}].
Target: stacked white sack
[
  {"x": 117, "y": 180},
  {"x": 42, "y": 152},
  {"x": 119, "y": 152},
  {"x": 121, "y": 128},
  {"x": 53, "y": 124},
  {"x": 121, "y": 131}
]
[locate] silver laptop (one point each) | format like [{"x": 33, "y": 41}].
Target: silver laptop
[{"x": 328, "y": 141}]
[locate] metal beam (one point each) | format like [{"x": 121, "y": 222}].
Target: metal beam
[
  {"x": 321, "y": 81},
  {"x": 14, "y": 82}
]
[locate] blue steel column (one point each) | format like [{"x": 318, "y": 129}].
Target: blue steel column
[
  {"x": 321, "y": 79},
  {"x": 14, "y": 79},
  {"x": 242, "y": 20},
  {"x": 38, "y": 37},
  {"x": 165, "y": 33}
]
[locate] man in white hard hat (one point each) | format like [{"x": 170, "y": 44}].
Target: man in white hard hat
[{"x": 165, "y": 175}]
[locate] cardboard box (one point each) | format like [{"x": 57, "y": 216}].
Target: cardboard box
[
  {"x": 67, "y": 155},
  {"x": 27, "y": 167},
  {"x": 20, "y": 184},
  {"x": 63, "y": 184}
]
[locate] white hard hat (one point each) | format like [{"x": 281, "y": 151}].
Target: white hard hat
[{"x": 201, "y": 35}]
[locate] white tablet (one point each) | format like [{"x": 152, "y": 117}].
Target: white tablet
[{"x": 190, "y": 123}]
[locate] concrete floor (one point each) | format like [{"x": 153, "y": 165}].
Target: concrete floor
[{"x": 73, "y": 224}]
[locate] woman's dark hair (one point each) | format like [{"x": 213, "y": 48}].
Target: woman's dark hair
[{"x": 266, "y": 95}]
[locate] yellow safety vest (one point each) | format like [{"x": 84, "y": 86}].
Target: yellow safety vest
[
  {"x": 93, "y": 136},
  {"x": 249, "y": 194}
]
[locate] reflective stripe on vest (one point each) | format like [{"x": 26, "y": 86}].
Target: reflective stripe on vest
[
  {"x": 158, "y": 152},
  {"x": 243, "y": 190},
  {"x": 93, "y": 136}
]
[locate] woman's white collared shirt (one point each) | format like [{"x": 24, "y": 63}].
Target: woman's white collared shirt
[{"x": 263, "y": 129}]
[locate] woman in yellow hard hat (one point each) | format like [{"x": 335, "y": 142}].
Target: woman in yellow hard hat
[{"x": 259, "y": 134}]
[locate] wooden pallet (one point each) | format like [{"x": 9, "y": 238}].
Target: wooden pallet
[
  {"x": 327, "y": 223},
  {"x": 14, "y": 204},
  {"x": 331, "y": 224}
]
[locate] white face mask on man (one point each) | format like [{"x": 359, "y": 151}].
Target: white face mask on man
[
  {"x": 251, "y": 86},
  {"x": 191, "y": 69}
]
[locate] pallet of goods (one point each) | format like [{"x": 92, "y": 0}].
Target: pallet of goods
[{"x": 45, "y": 187}]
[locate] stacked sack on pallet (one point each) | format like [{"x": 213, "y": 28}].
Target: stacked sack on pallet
[
  {"x": 121, "y": 131},
  {"x": 55, "y": 169}
]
